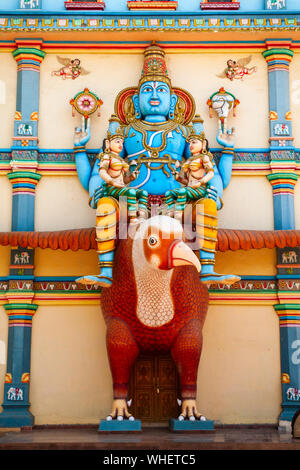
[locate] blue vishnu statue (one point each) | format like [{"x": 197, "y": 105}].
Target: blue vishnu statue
[{"x": 155, "y": 137}]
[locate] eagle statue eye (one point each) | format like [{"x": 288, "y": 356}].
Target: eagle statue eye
[{"x": 152, "y": 240}]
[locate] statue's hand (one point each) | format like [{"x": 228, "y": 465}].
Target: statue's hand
[
  {"x": 82, "y": 135},
  {"x": 211, "y": 193},
  {"x": 226, "y": 137}
]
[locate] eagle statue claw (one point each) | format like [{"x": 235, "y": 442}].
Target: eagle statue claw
[
  {"x": 189, "y": 411},
  {"x": 120, "y": 411}
]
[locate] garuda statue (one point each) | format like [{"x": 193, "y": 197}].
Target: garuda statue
[{"x": 153, "y": 299}]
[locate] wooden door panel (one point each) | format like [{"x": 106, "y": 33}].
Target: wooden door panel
[
  {"x": 154, "y": 389},
  {"x": 167, "y": 374},
  {"x": 167, "y": 405},
  {"x": 144, "y": 373},
  {"x": 144, "y": 408}
]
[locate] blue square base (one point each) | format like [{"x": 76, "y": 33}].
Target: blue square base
[
  {"x": 191, "y": 426},
  {"x": 16, "y": 418},
  {"x": 120, "y": 426}
]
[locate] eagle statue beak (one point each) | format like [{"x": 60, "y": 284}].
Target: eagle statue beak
[{"x": 180, "y": 255}]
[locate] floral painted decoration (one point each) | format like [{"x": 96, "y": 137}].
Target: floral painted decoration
[{"x": 86, "y": 103}]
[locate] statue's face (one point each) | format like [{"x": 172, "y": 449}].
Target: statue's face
[
  {"x": 154, "y": 99},
  {"x": 116, "y": 145},
  {"x": 196, "y": 146}
]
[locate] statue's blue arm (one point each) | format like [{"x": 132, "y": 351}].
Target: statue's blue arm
[
  {"x": 225, "y": 164},
  {"x": 83, "y": 168}
]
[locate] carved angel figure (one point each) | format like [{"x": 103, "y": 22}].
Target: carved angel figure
[
  {"x": 71, "y": 68},
  {"x": 236, "y": 70}
]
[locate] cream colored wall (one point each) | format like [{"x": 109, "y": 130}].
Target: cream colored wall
[
  {"x": 4, "y": 260},
  {"x": 70, "y": 378},
  {"x": 248, "y": 204},
  {"x": 247, "y": 263},
  {"x": 5, "y": 204},
  {"x": 8, "y": 87},
  {"x": 65, "y": 263},
  {"x": 62, "y": 203},
  {"x": 239, "y": 372}
]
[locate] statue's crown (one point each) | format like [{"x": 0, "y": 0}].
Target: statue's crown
[{"x": 155, "y": 68}]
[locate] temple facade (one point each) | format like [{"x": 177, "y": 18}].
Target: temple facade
[{"x": 53, "y": 362}]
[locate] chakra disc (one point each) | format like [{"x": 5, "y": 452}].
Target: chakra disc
[{"x": 86, "y": 102}]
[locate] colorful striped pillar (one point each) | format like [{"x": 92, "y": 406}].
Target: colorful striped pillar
[
  {"x": 283, "y": 185},
  {"x": 282, "y": 163},
  {"x": 24, "y": 178},
  {"x": 283, "y": 178},
  {"x": 24, "y": 162},
  {"x": 289, "y": 319},
  {"x": 16, "y": 387}
]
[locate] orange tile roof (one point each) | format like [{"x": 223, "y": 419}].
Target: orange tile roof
[{"x": 84, "y": 239}]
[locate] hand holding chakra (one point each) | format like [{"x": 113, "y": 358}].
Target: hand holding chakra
[{"x": 82, "y": 134}]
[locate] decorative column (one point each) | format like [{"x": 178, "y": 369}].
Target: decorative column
[
  {"x": 24, "y": 178},
  {"x": 283, "y": 179}
]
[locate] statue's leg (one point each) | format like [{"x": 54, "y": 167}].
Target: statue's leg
[
  {"x": 122, "y": 352},
  {"x": 131, "y": 195},
  {"x": 170, "y": 201},
  {"x": 206, "y": 231},
  {"x": 106, "y": 223},
  {"x": 186, "y": 352},
  {"x": 180, "y": 203},
  {"x": 142, "y": 197}
]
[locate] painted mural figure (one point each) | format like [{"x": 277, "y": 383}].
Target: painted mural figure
[
  {"x": 197, "y": 171},
  {"x": 236, "y": 70},
  {"x": 154, "y": 143},
  {"x": 71, "y": 69},
  {"x": 275, "y": 4},
  {"x": 29, "y": 3}
]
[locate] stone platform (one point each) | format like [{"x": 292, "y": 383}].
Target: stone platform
[{"x": 87, "y": 438}]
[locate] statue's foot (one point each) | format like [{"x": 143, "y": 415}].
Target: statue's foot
[
  {"x": 120, "y": 411},
  {"x": 101, "y": 281},
  {"x": 189, "y": 411},
  {"x": 215, "y": 278}
]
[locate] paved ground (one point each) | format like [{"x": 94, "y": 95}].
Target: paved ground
[{"x": 87, "y": 438}]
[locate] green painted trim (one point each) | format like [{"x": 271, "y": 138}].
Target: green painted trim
[
  {"x": 28, "y": 50},
  {"x": 278, "y": 51},
  {"x": 18, "y": 306},
  {"x": 278, "y": 176},
  {"x": 24, "y": 174},
  {"x": 280, "y": 307}
]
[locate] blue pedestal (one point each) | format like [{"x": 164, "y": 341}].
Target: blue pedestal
[
  {"x": 120, "y": 426},
  {"x": 16, "y": 418},
  {"x": 191, "y": 426}
]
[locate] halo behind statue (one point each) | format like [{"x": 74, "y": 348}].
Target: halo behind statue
[{"x": 184, "y": 111}]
